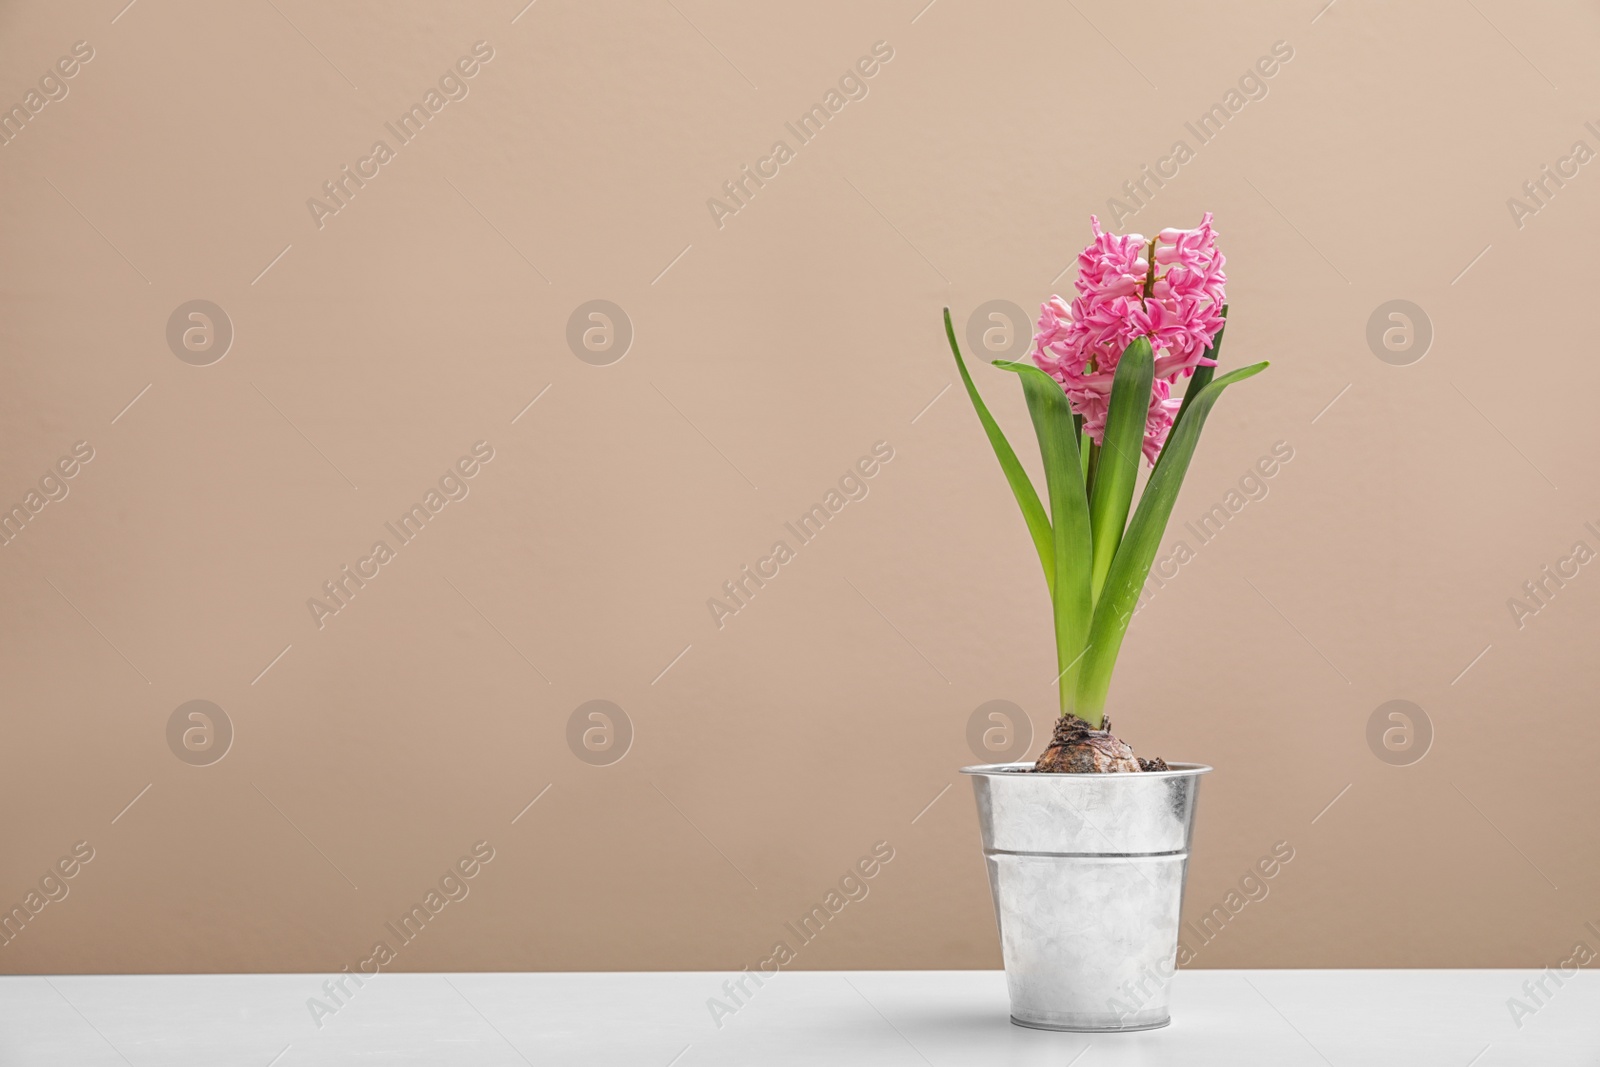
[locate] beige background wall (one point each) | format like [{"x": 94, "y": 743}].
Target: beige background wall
[{"x": 769, "y": 355}]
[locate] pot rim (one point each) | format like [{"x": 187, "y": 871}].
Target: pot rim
[{"x": 1006, "y": 770}]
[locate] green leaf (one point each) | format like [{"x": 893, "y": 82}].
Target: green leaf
[
  {"x": 1120, "y": 451},
  {"x": 1069, "y": 516},
  {"x": 1129, "y": 569},
  {"x": 1021, "y": 487},
  {"x": 1200, "y": 378}
]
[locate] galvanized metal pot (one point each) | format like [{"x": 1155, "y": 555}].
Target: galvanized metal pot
[{"x": 1087, "y": 872}]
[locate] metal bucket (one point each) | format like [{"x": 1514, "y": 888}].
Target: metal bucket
[{"x": 1087, "y": 872}]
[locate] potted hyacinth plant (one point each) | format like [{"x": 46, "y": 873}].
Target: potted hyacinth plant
[{"x": 1087, "y": 848}]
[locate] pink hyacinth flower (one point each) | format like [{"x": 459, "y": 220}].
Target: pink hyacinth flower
[{"x": 1179, "y": 310}]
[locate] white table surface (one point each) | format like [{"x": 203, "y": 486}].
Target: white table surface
[{"x": 838, "y": 1018}]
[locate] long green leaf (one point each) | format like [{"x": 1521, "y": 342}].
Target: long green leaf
[
  {"x": 1201, "y": 376},
  {"x": 1069, "y": 517},
  {"x": 1132, "y": 564},
  {"x": 1120, "y": 450},
  {"x": 1021, "y": 487}
]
